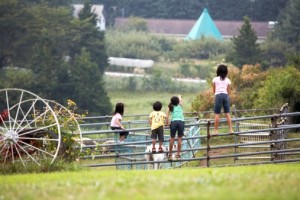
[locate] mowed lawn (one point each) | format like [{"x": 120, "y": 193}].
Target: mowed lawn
[{"x": 281, "y": 181}]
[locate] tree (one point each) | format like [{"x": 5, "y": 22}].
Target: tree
[
  {"x": 266, "y": 10},
  {"x": 11, "y": 29},
  {"x": 245, "y": 48},
  {"x": 288, "y": 27},
  {"x": 48, "y": 46},
  {"x": 86, "y": 13},
  {"x": 88, "y": 85},
  {"x": 282, "y": 85}
]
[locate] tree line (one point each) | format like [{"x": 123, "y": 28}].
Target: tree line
[
  {"x": 257, "y": 10},
  {"x": 44, "y": 49}
]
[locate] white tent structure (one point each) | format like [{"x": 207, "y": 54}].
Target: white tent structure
[{"x": 129, "y": 62}]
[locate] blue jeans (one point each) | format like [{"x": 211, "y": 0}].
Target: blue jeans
[{"x": 222, "y": 101}]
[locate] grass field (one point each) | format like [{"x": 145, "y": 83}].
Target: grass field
[
  {"x": 249, "y": 182},
  {"x": 137, "y": 103}
]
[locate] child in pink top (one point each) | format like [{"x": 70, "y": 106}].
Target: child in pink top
[
  {"x": 116, "y": 124},
  {"x": 221, "y": 89}
]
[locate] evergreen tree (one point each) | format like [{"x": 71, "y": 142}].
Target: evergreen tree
[
  {"x": 288, "y": 30},
  {"x": 87, "y": 12},
  {"x": 266, "y": 10},
  {"x": 245, "y": 48},
  {"x": 288, "y": 27},
  {"x": 61, "y": 57}
]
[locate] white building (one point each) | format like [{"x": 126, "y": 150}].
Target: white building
[{"x": 96, "y": 9}]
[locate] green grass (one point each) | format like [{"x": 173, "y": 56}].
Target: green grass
[
  {"x": 137, "y": 103},
  {"x": 249, "y": 182}
]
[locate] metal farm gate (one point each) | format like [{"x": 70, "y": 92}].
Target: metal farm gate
[{"x": 137, "y": 143}]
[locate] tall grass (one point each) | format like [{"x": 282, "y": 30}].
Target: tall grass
[{"x": 249, "y": 182}]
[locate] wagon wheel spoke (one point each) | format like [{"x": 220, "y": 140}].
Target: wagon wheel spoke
[
  {"x": 37, "y": 119},
  {"x": 6, "y": 155},
  {"x": 25, "y": 115},
  {"x": 19, "y": 154},
  {"x": 24, "y": 124},
  {"x": 33, "y": 159},
  {"x": 39, "y": 149},
  {"x": 36, "y": 130},
  {"x": 69, "y": 120},
  {"x": 40, "y": 139}
]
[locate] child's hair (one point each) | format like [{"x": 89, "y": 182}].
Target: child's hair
[
  {"x": 119, "y": 108},
  {"x": 222, "y": 71},
  {"x": 157, "y": 106},
  {"x": 174, "y": 102}
]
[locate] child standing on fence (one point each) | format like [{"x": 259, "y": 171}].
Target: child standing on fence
[
  {"x": 116, "y": 124},
  {"x": 156, "y": 120},
  {"x": 221, "y": 89},
  {"x": 177, "y": 124}
]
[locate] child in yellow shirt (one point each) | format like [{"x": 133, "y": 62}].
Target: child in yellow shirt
[{"x": 156, "y": 121}]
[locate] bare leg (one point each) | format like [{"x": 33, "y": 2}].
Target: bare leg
[
  {"x": 217, "y": 119},
  {"x": 228, "y": 117},
  {"x": 153, "y": 143},
  {"x": 160, "y": 144},
  {"x": 179, "y": 142},
  {"x": 122, "y": 138},
  {"x": 171, "y": 147}
]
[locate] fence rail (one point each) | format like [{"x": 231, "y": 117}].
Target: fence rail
[{"x": 280, "y": 143}]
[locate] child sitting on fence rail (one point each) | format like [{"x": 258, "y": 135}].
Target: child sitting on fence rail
[
  {"x": 156, "y": 120},
  {"x": 116, "y": 124}
]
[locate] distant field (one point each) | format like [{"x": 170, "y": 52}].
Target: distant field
[
  {"x": 249, "y": 182},
  {"x": 137, "y": 103}
]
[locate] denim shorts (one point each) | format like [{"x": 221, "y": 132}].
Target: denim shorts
[
  {"x": 176, "y": 126},
  {"x": 222, "y": 101}
]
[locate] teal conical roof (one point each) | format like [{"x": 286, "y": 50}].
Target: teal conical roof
[{"x": 204, "y": 27}]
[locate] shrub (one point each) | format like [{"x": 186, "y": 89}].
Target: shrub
[
  {"x": 274, "y": 53},
  {"x": 133, "y": 44},
  {"x": 134, "y": 23},
  {"x": 203, "y": 48}
]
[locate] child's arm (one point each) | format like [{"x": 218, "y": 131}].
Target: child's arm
[
  {"x": 120, "y": 124},
  {"x": 228, "y": 89},
  {"x": 214, "y": 88},
  {"x": 167, "y": 117},
  {"x": 180, "y": 99},
  {"x": 150, "y": 121}
]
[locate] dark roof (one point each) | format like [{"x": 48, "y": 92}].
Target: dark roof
[{"x": 182, "y": 27}]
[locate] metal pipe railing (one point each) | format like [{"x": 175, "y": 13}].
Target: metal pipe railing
[{"x": 206, "y": 125}]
